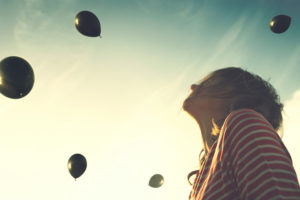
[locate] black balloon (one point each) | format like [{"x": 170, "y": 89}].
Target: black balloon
[
  {"x": 77, "y": 165},
  {"x": 280, "y": 23},
  {"x": 16, "y": 77},
  {"x": 156, "y": 181},
  {"x": 88, "y": 24}
]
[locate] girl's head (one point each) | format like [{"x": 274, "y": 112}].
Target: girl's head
[
  {"x": 225, "y": 90},
  {"x": 232, "y": 88}
]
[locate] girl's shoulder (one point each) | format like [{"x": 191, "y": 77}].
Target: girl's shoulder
[
  {"x": 243, "y": 115},
  {"x": 245, "y": 124}
]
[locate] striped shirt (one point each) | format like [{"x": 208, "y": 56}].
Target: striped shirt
[{"x": 247, "y": 162}]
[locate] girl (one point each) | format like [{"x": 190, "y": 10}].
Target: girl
[{"x": 239, "y": 115}]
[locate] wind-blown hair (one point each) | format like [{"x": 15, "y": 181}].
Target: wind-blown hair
[{"x": 245, "y": 90}]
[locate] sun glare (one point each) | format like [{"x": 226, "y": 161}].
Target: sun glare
[
  {"x": 76, "y": 21},
  {"x": 69, "y": 166}
]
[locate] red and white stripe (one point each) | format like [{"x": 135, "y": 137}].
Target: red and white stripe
[{"x": 248, "y": 162}]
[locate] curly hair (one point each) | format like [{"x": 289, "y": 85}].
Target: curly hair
[{"x": 246, "y": 90}]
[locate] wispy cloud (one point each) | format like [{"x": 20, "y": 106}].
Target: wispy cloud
[
  {"x": 228, "y": 41},
  {"x": 291, "y": 132},
  {"x": 292, "y": 63},
  {"x": 43, "y": 36},
  {"x": 30, "y": 20},
  {"x": 180, "y": 8},
  {"x": 39, "y": 22}
]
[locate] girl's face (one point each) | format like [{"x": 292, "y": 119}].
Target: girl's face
[
  {"x": 198, "y": 101},
  {"x": 202, "y": 102},
  {"x": 206, "y": 104}
]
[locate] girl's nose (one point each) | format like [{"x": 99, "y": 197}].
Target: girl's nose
[{"x": 193, "y": 87}]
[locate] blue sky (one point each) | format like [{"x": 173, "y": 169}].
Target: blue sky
[{"x": 117, "y": 99}]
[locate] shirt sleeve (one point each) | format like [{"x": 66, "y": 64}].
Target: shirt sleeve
[{"x": 261, "y": 165}]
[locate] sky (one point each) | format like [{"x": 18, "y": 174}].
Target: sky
[{"x": 117, "y": 99}]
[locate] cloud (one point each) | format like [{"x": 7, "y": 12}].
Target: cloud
[
  {"x": 292, "y": 63},
  {"x": 226, "y": 42},
  {"x": 30, "y": 20},
  {"x": 45, "y": 36},
  {"x": 180, "y": 8},
  {"x": 39, "y": 23},
  {"x": 291, "y": 122}
]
